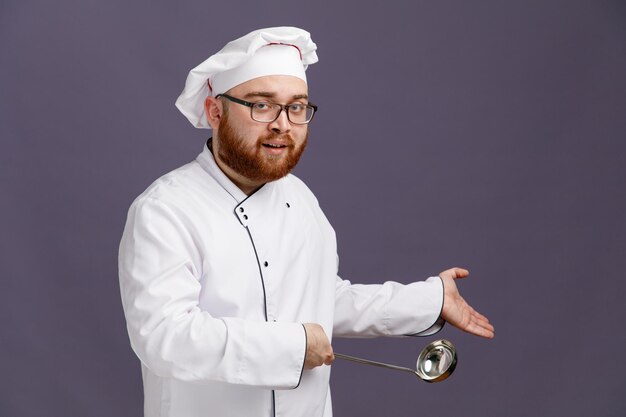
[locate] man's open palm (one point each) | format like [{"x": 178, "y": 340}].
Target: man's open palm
[{"x": 457, "y": 312}]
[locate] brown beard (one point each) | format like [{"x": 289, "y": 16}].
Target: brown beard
[{"x": 254, "y": 165}]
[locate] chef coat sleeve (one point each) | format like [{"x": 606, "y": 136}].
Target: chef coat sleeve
[
  {"x": 159, "y": 281},
  {"x": 389, "y": 309}
]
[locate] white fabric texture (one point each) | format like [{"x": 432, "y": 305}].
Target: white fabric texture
[
  {"x": 224, "y": 64},
  {"x": 273, "y": 59},
  {"x": 216, "y": 285}
]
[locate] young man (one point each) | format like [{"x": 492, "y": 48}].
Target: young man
[{"x": 228, "y": 267}]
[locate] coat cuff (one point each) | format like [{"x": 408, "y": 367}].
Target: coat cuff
[
  {"x": 272, "y": 354},
  {"x": 435, "y": 285}
]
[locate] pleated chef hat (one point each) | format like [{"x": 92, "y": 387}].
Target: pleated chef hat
[{"x": 271, "y": 51}]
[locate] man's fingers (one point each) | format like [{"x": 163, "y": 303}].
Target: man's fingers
[
  {"x": 330, "y": 357},
  {"x": 318, "y": 350},
  {"x": 480, "y": 331},
  {"x": 460, "y": 272},
  {"x": 478, "y": 316},
  {"x": 455, "y": 273},
  {"x": 480, "y": 325},
  {"x": 485, "y": 325}
]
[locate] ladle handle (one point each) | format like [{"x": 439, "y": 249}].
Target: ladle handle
[{"x": 374, "y": 363}]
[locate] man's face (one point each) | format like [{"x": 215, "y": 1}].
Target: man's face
[{"x": 261, "y": 152}]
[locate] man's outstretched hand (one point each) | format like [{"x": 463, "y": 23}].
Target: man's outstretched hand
[{"x": 457, "y": 312}]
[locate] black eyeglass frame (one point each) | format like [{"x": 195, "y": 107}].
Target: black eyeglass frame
[{"x": 284, "y": 107}]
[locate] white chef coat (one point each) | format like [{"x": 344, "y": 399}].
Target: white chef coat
[{"x": 216, "y": 285}]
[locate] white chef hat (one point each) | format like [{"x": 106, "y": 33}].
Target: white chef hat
[{"x": 271, "y": 51}]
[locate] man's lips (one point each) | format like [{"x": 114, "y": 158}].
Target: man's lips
[
  {"x": 276, "y": 146},
  {"x": 275, "y": 149}
]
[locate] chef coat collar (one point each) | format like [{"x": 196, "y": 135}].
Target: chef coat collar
[{"x": 207, "y": 162}]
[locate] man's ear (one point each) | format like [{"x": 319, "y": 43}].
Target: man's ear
[{"x": 214, "y": 111}]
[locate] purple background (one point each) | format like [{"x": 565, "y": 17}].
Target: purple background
[{"x": 484, "y": 134}]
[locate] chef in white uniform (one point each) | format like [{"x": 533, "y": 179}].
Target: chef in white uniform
[{"x": 228, "y": 266}]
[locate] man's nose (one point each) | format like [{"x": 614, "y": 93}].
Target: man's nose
[{"x": 281, "y": 124}]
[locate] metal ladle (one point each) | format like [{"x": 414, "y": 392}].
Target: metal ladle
[{"x": 435, "y": 362}]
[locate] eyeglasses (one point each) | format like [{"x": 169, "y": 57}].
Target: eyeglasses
[{"x": 266, "y": 112}]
